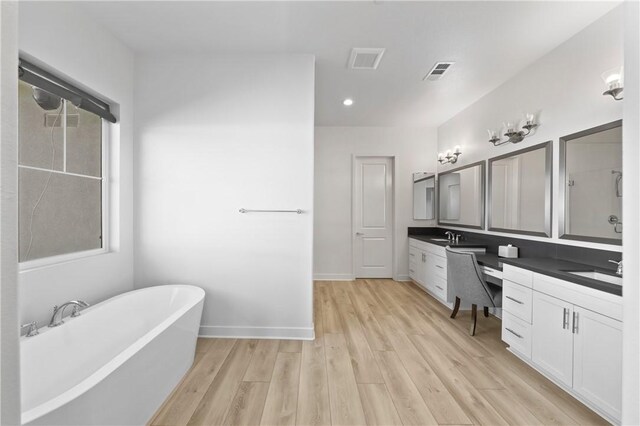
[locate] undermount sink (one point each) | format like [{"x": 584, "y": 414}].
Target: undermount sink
[
  {"x": 598, "y": 276},
  {"x": 439, "y": 239}
]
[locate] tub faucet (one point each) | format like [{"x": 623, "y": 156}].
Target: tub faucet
[
  {"x": 619, "y": 271},
  {"x": 32, "y": 329},
  {"x": 77, "y": 305}
]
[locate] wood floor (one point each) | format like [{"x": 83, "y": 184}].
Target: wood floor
[{"x": 385, "y": 353}]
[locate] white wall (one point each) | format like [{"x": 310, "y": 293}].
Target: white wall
[
  {"x": 631, "y": 212},
  {"x": 414, "y": 150},
  {"x": 564, "y": 88},
  {"x": 216, "y": 134},
  {"x": 67, "y": 41},
  {"x": 9, "y": 346}
]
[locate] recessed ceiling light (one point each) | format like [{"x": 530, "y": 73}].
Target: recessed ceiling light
[{"x": 347, "y": 102}]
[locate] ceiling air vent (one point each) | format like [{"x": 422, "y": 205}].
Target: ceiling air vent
[
  {"x": 365, "y": 58},
  {"x": 438, "y": 70}
]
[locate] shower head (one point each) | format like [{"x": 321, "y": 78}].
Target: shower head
[{"x": 46, "y": 100}]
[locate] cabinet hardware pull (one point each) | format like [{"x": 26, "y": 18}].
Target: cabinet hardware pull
[
  {"x": 440, "y": 287},
  {"x": 565, "y": 318},
  {"x": 513, "y": 332},
  {"x": 412, "y": 254},
  {"x": 438, "y": 266},
  {"x": 411, "y": 270},
  {"x": 575, "y": 322},
  {"x": 515, "y": 300}
]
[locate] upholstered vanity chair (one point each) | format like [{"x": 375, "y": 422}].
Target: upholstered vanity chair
[{"x": 465, "y": 281}]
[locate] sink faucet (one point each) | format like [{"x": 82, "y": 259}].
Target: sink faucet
[
  {"x": 77, "y": 305},
  {"x": 450, "y": 235},
  {"x": 619, "y": 271}
]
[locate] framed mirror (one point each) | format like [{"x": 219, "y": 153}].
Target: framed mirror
[
  {"x": 591, "y": 185},
  {"x": 461, "y": 196},
  {"x": 520, "y": 191},
  {"x": 424, "y": 196}
]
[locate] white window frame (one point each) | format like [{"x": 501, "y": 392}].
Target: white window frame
[{"x": 105, "y": 210}]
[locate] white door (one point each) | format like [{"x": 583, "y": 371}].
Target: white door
[
  {"x": 373, "y": 217},
  {"x": 552, "y": 336},
  {"x": 597, "y": 365}
]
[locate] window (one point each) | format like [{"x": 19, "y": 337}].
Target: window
[{"x": 61, "y": 176}]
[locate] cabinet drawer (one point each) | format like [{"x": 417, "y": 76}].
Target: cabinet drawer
[
  {"x": 420, "y": 245},
  {"x": 516, "y": 300},
  {"x": 436, "y": 250},
  {"x": 517, "y": 275},
  {"x": 438, "y": 265},
  {"x": 516, "y": 333},
  {"x": 439, "y": 287}
]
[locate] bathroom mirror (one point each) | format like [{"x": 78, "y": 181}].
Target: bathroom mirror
[
  {"x": 424, "y": 196},
  {"x": 520, "y": 191},
  {"x": 591, "y": 185},
  {"x": 461, "y": 196}
]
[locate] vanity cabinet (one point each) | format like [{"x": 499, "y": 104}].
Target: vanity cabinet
[
  {"x": 428, "y": 268},
  {"x": 574, "y": 335}
]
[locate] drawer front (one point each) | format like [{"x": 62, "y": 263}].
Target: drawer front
[
  {"x": 439, "y": 287},
  {"x": 420, "y": 245},
  {"x": 516, "y": 300},
  {"x": 438, "y": 265},
  {"x": 517, "y": 275},
  {"x": 436, "y": 250},
  {"x": 517, "y": 334},
  {"x": 595, "y": 300}
]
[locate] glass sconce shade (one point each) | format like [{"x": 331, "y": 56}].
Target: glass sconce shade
[{"x": 613, "y": 78}]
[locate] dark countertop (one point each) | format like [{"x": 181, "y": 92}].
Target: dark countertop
[
  {"x": 430, "y": 239},
  {"x": 544, "y": 265},
  {"x": 557, "y": 268}
]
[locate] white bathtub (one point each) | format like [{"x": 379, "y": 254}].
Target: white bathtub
[{"x": 114, "y": 364}]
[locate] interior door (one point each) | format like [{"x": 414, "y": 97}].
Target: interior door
[
  {"x": 552, "y": 336},
  {"x": 597, "y": 366},
  {"x": 373, "y": 217}
]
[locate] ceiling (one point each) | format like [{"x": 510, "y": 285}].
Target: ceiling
[{"x": 489, "y": 41}]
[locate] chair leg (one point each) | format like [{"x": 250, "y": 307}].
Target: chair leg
[
  {"x": 486, "y": 312},
  {"x": 474, "y": 319},
  {"x": 456, "y": 306}
]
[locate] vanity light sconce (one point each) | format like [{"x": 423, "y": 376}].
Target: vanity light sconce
[
  {"x": 513, "y": 135},
  {"x": 450, "y": 157},
  {"x": 613, "y": 79}
]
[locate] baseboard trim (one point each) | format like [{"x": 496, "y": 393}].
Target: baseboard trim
[
  {"x": 290, "y": 333},
  {"x": 403, "y": 278},
  {"x": 333, "y": 277}
]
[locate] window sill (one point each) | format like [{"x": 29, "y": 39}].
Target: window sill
[{"x": 46, "y": 262}]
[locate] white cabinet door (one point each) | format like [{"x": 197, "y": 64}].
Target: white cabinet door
[
  {"x": 552, "y": 337},
  {"x": 597, "y": 366},
  {"x": 414, "y": 260},
  {"x": 423, "y": 270}
]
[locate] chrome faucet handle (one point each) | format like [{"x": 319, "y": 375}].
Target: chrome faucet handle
[
  {"x": 32, "y": 329},
  {"x": 75, "y": 312},
  {"x": 619, "y": 263}
]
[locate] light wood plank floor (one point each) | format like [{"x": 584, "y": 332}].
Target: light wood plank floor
[{"x": 385, "y": 353}]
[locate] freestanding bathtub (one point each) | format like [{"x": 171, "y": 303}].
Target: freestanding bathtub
[{"x": 114, "y": 364}]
